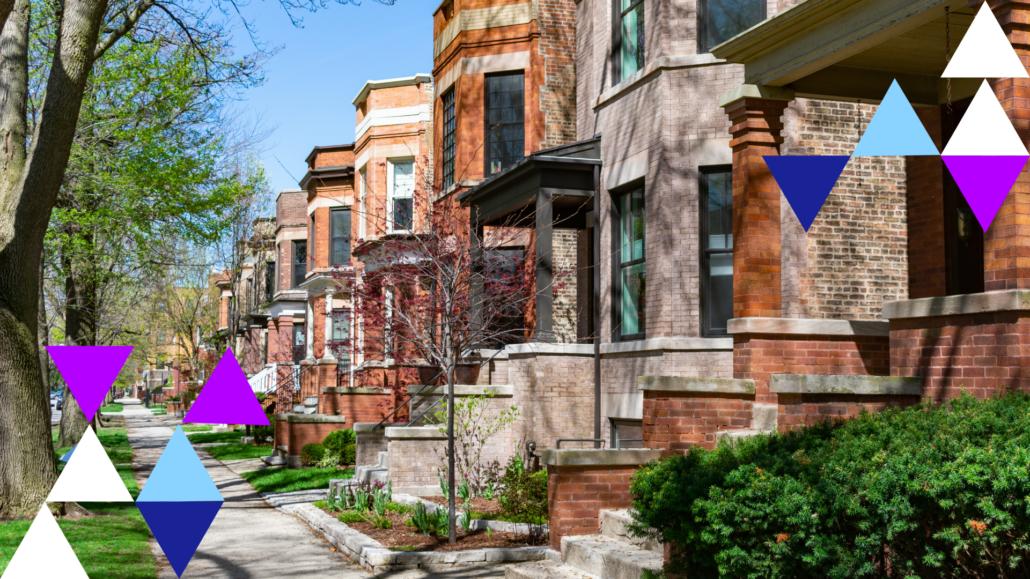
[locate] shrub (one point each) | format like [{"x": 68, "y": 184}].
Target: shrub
[
  {"x": 928, "y": 491},
  {"x": 350, "y": 454},
  {"x": 312, "y": 454},
  {"x": 336, "y": 440},
  {"x": 525, "y": 494}
]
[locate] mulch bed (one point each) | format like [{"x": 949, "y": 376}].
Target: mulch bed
[
  {"x": 479, "y": 504},
  {"x": 402, "y": 536}
]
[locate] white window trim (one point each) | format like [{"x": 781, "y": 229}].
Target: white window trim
[
  {"x": 389, "y": 192},
  {"x": 363, "y": 200}
]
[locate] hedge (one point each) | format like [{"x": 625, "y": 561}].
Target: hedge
[{"x": 934, "y": 490}]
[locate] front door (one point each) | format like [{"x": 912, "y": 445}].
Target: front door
[{"x": 963, "y": 236}]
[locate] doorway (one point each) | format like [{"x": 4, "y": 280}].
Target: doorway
[{"x": 963, "y": 236}]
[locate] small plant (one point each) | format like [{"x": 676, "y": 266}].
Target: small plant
[
  {"x": 489, "y": 490},
  {"x": 329, "y": 460},
  {"x": 525, "y": 494},
  {"x": 312, "y": 454},
  {"x": 350, "y": 517},
  {"x": 472, "y": 429},
  {"x": 489, "y": 533},
  {"x": 466, "y": 519},
  {"x": 444, "y": 486},
  {"x": 430, "y": 523},
  {"x": 464, "y": 492}
]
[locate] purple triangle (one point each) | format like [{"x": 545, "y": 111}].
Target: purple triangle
[
  {"x": 179, "y": 527},
  {"x": 227, "y": 398},
  {"x": 985, "y": 181},
  {"x": 90, "y": 371},
  {"x": 806, "y": 181}
]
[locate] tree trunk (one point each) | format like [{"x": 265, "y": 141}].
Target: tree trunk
[
  {"x": 29, "y": 184},
  {"x": 453, "y": 483},
  {"x": 80, "y": 326}
]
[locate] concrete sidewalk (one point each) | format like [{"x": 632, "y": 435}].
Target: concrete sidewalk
[{"x": 249, "y": 539}]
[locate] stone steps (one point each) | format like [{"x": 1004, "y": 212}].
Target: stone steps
[
  {"x": 544, "y": 570},
  {"x": 615, "y": 525}
]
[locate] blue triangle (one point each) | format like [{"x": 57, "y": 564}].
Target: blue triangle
[
  {"x": 806, "y": 181},
  {"x": 179, "y": 527},
  {"x": 895, "y": 129},
  {"x": 179, "y": 475}
]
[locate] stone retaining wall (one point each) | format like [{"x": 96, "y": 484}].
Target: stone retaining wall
[
  {"x": 296, "y": 430},
  {"x": 369, "y": 443},
  {"x": 807, "y": 400},
  {"x": 416, "y": 456},
  {"x": 682, "y": 412}
]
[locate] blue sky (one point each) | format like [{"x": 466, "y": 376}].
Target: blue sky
[{"x": 306, "y": 99}]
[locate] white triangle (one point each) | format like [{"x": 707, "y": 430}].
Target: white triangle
[
  {"x": 44, "y": 553},
  {"x": 89, "y": 476},
  {"x": 985, "y": 129},
  {"x": 985, "y": 51}
]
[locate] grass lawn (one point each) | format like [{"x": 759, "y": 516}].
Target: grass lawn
[
  {"x": 115, "y": 442},
  {"x": 281, "y": 480},
  {"x": 112, "y": 408},
  {"x": 159, "y": 412},
  {"x": 114, "y": 542},
  {"x": 237, "y": 451},
  {"x": 197, "y": 428},
  {"x": 202, "y": 437}
]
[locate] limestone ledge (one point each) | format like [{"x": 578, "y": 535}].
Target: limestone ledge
[
  {"x": 415, "y": 433},
  {"x": 464, "y": 390},
  {"x": 310, "y": 418},
  {"x": 837, "y": 384},
  {"x": 595, "y": 457},
  {"x": 693, "y": 385},
  {"x": 969, "y": 304},
  {"x": 352, "y": 391}
]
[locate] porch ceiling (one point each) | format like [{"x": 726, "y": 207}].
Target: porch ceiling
[{"x": 853, "y": 49}]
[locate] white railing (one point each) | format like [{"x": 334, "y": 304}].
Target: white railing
[{"x": 264, "y": 380}]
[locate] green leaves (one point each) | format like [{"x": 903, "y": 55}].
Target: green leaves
[{"x": 929, "y": 491}]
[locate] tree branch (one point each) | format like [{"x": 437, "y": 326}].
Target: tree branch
[{"x": 128, "y": 24}]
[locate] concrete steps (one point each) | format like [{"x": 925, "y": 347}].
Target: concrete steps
[{"x": 611, "y": 554}]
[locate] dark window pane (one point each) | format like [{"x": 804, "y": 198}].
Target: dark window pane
[
  {"x": 505, "y": 118},
  {"x": 300, "y": 262},
  {"x": 340, "y": 237},
  {"x": 269, "y": 281},
  {"x": 717, "y": 248},
  {"x": 402, "y": 213},
  {"x": 720, "y": 298},
  {"x": 633, "y": 276},
  {"x": 631, "y": 47},
  {"x": 448, "y": 139},
  {"x": 725, "y": 19},
  {"x": 299, "y": 343},
  {"x": 720, "y": 211},
  {"x": 634, "y": 284}
]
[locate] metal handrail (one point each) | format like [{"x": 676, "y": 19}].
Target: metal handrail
[
  {"x": 294, "y": 377},
  {"x": 424, "y": 386},
  {"x": 561, "y": 440}
]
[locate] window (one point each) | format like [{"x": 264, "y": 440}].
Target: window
[
  {"x": 341, "y": 334},
  {"x": 300, "y": 347},
  {"x": 402, "y": 187},
  {"x": 630, "y": 271},
  {"x": 628, "y": 53},
  {"x": 340, "y": 246},
  {"x": 503, "y": 268},
  {"x": 364, "y": 213},
  {"x": 269, "y": 281},
  {"x": 300, "y": 262},
  {"x": 716, "y": 250},
  {"x": 448, "y": 138},
  {"x": 721, "y": 20},
  {"x": 627, "y": 433},
  {"x": 505, "y": 125}
]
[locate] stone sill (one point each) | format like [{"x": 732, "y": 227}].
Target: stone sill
[
  {"x": 310, "y": 418},
  {"x": 837, "y": 384},
  {"x": 370, "y": 426},
  {"x": 669, "y": 345},
  {"x": 351, "y": 391},
  {"x": 595, "y": 457},
  {"x": 695, "y": 385},
  {"x": 545, "y": 349},
  {"x": 415, "y": 433},
  {"x": 969, "y": 304},
  {"x": 808, "y": 327},
  {"x": 657, "y": 65},
  {"x": 464, "y": 390}
]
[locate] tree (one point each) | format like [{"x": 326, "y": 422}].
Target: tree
[{"x": 36, "y": 151}]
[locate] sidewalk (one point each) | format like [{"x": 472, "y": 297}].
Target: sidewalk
[{"x": 249, "y": 539}]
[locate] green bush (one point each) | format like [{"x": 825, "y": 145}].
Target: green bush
[
  {"x": 312, "y": 454},
  {"x": 350, "y": 454},
  {"x": 336, "y": 440},
  {"x": 928, "y": 491},
  {"x": 524, "y": 497}
]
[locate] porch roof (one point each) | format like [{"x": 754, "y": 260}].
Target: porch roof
[{"x": 852, "y": 49}]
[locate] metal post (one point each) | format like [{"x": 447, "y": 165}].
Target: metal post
[{"x": 596, "y": 305}]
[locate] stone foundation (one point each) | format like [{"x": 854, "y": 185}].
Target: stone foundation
[
  {"x": 416, "y": 457},
  {"x": 806, "y": 400},
  {"x": 369, "y": 443},
  {"x": 680, "y": 413}
]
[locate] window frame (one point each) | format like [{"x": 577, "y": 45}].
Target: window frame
[
  {"x": 486, "y": 116},
  {"x": 299, "y": 331},
  {"x": 271, "y": 280},
  {"x": 363, "y": 200},
  {"x": 450, "y": 143},
  {"x": 296, "y": 251},
  {"x": 705, "y": 251},
  {"x": 614, "y": 423},
  {"x": 390, "y": 197},
  {"x": 702, "y": 24},
  {"x": 618, "y": 14},
  {"x": 336, "y": 313},
  {"x": 333, "y": 212},
  {"x": 615, "y": 196}
]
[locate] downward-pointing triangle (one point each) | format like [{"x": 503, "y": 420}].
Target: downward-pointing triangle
[
  {"x": 89, "y": 371},
  {"x": 44, "y": 553},
  {"x": 806, "y": 181},
  {"x": 985, "y": 181},
  {"x": 179, "y": 527},
  {"x": 227, "y": 398},
  {"x": 89, "y": 476}
]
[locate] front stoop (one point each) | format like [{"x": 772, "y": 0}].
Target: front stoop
[{"x": 611, "y": 554}]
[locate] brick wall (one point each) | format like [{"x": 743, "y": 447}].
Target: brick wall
[
  {"x": 369, "y": 444},
  {"x": 798, "y": 410},
  {"x": 927, "y": 272},
  {"x": 296, "y": 435},
  {"x": 415, "y": 464},
  {"x": 253, "y": 351},
  {"x": 554, "y": 395},
  {"x": 980, "y": 354},
  {"x": 855, "y": 255},
  {"x": 498, "y": 447},
  {"x": 357, "y": 404},
  {"x": 557, "y": 47},
  {"x": 757, "y": 357},
  {"x": 676, "y": 421},
  {"x": 576, "y": 495},
  {"x": 291, "y": 208},
  {"x": 565, "y": 312}
]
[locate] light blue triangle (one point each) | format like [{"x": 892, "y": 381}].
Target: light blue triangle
[
  {"x": 68, "y": 455},
  {"x": 895, "y": 130},
  {"x": 179, "y": 475}
]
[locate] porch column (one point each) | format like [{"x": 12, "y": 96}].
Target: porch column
[
  {"x": 754, "y": 113},
  {"x": 1007, "y": 242},
  {"x": 544, "y": 327},
  {"x": 309, "y": 330},
  {"x": 328, "y": 353}
]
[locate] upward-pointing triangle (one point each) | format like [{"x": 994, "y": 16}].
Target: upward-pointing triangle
[
  {"x": 985, "y": 51},
  {"x": 806, "y": 181},
  {"x": 227, "y": 398},
  {"x": 90, "y": 371},
  {"x": 895, "y": 129},
  {"x": 985, "y": 129},
  {"x": 44, "y": 553},
  {"x": 89, "y": 476},
  {"x": 179, "y": 475}
]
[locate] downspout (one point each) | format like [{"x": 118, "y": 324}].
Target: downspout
[{"x": 596, "y": 305}]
